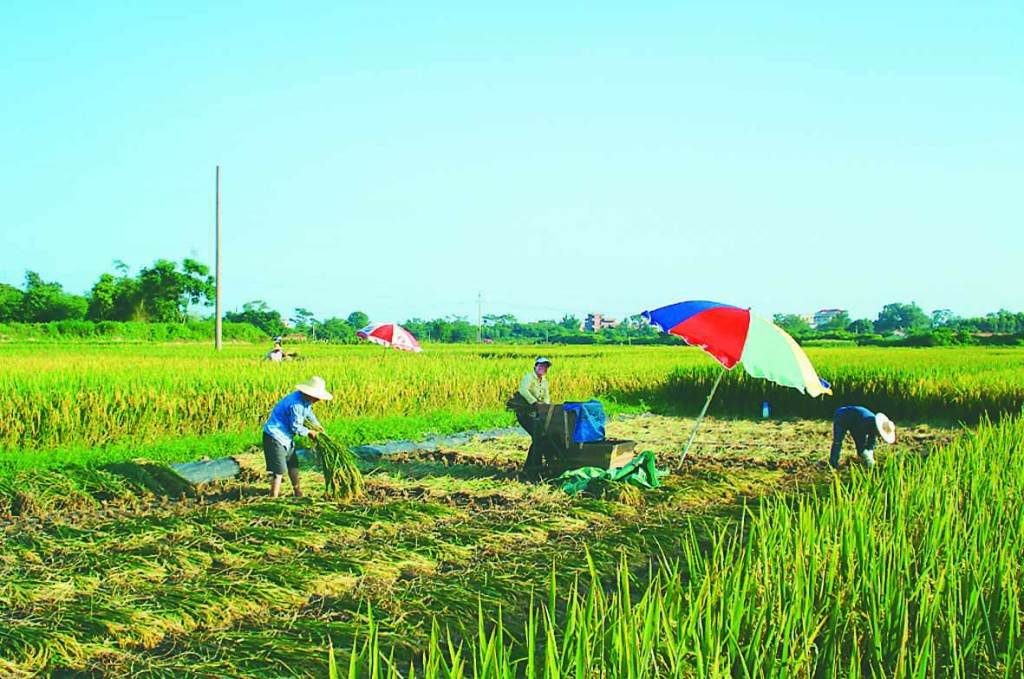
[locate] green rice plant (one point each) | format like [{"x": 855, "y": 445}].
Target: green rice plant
[
  {"x": 945, "y": 385},
  {"x": 913, "y": 570},
  {"x": 99, "y": 397},
  {"x": 81, "y": 400}
]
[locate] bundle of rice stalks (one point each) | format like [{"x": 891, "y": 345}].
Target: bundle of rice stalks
[{"x": 342, "y": 479}]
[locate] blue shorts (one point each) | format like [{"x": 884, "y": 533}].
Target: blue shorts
[{"x": 279, "y": 458}]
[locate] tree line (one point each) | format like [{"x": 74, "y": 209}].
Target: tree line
[
  {"x": 173, "y": 292},
  {"x": 909, "y": 323},
  {"x": 161, "y": 293}
]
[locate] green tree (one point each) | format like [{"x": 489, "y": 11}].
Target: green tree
[
  {"x": 902, "y": 317},
  {"x": 258, "y": 314},
  {"x": 499, "y": 327},
  {"x": 303, "y": 319},
  {"x": 570, "y": 323},
  {"x": 44, "y": 302},
  {"x": 419, "y": 328},
  {"x": 639, "y": 327},
  {"x": 123, "y": 294},
  {"x": 168, "y": 292},
  {"x": 10, "y": 303},
  {"x": 794, "y": 324},
  {"x": 358, "y": 320},
  {"x": 336, "y": 330},
  {"x": 101, "y": 299},
  {"x": 461, "y": 331},
  {"x": 943, "y": 317},
  {"x": 451, "y": 330},
  {"x": 861, "y": 326},
  {"x": 840, "y": 321},
  {"x": 128, "y": 301},
  {"x": 547, "y": 330},
  {"x": 1005, "y": 322}
]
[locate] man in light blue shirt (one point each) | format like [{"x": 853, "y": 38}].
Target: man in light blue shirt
[{"x": 288, "y": 420}]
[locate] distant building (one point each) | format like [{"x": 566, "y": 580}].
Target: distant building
[
  {"x": 596, "y": 322},
  {"x": 825, "y": 316}
]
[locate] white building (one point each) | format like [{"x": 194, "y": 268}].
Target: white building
[
  {"x": 825, "y": 316},
  {"x": 595, "y": 322}
]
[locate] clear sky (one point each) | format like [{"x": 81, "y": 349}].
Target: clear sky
[{"x": 402, "y": 158}]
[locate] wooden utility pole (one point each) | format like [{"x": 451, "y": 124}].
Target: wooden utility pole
[
  {"x": 479, "y": 319},
  {"x": 217, "y": 324}
]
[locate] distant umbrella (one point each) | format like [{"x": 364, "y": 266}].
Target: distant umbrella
[
  {"x": 390, "y": 335},
  {"x": 734, "y": 335}
]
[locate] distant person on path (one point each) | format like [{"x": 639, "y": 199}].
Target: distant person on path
[
  {"x": 288, "y": 420},
  {"x": 525, "y": 403},
  {"x": 865, "y": 427}
]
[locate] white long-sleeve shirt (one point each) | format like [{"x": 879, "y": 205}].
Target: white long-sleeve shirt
[{"x": 535, "y": 389}]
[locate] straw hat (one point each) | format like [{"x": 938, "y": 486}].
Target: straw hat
[
  {"x": 886, "y": 429},
  {"x": 315, "y": 387},
  {"x": 542, "y": 359}
]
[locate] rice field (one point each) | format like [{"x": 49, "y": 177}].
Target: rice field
[
  {"x": 753, "y": 559},
  {"x": 98, "y": 396},
  {"x": 915, "y": 571}
]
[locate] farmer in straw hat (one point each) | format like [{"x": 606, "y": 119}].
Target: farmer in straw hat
[
  {"x": 533, "y": 390},
  {"x": 865, "y": 427},
  {"x": 276, "y": 354},
  {"x": 288, "y": 420}
]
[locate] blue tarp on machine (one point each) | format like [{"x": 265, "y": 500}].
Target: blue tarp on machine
[{"x": 589, "y": 421}]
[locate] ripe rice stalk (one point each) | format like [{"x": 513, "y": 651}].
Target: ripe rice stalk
[{"x": 342, "y": 479}]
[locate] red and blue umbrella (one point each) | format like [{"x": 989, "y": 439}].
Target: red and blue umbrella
[
  {"x": 734, "y": 335},
  {"x": 390, "y": 335}
]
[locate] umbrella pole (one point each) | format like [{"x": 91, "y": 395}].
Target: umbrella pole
[{"x": 700, "y": 419}]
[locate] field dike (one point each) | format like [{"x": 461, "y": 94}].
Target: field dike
[{"x": 130, "y": 575}]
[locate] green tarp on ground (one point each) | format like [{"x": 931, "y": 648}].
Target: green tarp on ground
[{"x": 640, "y": 472}]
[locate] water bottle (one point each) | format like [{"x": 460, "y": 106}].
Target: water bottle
[{"x": 766, "y": 410}]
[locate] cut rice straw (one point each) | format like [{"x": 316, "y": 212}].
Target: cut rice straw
[{"x": 342, "y": 479}]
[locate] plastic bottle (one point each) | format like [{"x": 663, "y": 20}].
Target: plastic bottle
[{"x": 766, "y": 410}]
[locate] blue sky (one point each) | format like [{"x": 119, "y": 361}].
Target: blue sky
[{"x": 402, "y": 158}]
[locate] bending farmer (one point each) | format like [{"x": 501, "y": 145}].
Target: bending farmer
[
  {"x": 533, "y": 390},
  {"x": 276, "y": 354},
  {"x": 865, "y": 427},
  {"x": 288, "y": 420}
]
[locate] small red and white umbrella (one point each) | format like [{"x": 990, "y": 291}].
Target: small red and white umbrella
[{"x": 390, "y": 335}]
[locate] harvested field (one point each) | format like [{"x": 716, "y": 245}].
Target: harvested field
[{"x": 233, "y": 583}]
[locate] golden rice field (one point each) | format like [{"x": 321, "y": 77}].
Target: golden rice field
[
  {"x": 753, "y": 560},
  {"x": 95, "y": 395}
]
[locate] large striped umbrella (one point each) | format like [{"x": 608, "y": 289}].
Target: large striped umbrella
[
  {"x": 734, "y": 335},
  {"x": 390, "y": 335}
]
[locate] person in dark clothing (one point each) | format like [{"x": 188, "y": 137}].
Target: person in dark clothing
[{"x": 865, "y": 427}]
